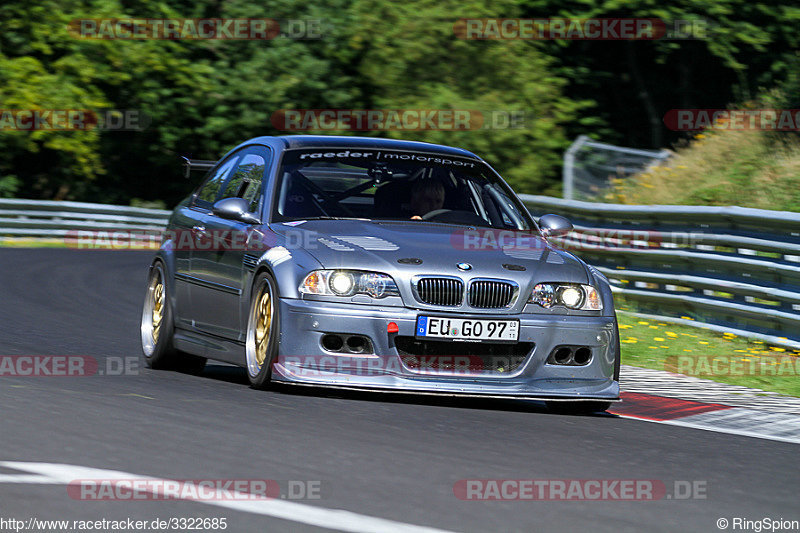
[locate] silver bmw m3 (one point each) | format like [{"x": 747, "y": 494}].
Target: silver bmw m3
[{"x": 377, "y": 264}]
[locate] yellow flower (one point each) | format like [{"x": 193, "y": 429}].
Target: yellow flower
[
  {"x": 643, "y": 323},
  {"x": 659, "y": 339},
  {"x": 702, "y": 342}
]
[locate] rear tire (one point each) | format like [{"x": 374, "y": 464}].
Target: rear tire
[
  {"x": 263, "y": 330},
  {"x": 158, "y": 329}
]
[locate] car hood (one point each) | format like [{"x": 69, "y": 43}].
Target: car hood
[{"x": 412, "y": 248}]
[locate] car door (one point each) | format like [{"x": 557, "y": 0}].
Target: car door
[
  {"x": 218, "y": 269},
  {"x": 190, "y": 233}
]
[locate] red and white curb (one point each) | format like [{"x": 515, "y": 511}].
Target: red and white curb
[
  {"x": 672, "y": 385},
  {"x": 720, "y": 418}
]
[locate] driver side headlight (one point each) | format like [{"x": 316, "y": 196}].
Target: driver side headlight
[
  {"x": 570, "y": 295},
  {"x": 349, "y": 283}
]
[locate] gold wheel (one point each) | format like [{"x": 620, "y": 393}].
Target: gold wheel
[
  {"x": 263, "y": 324},
  {"x": 158, "y": 307}
]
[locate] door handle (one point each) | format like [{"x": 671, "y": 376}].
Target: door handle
[{"x": 199, "y": 231}]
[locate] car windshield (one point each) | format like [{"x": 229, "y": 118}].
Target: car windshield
[{"x": 394, "y": 185}]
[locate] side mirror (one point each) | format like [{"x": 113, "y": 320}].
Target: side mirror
[
  {"x": 235, "y": 209},
  {"x": 554, "y": 225}
]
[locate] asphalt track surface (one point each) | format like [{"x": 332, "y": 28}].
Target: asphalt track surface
[{"x": 387, "y": 456}]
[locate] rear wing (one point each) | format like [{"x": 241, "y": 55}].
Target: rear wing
[{"x": 196, "y": 164}]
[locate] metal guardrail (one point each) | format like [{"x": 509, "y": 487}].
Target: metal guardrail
[
  {"x": 48, "y": 219},
  {"x": 730, "y": 267},
  {"x": 589, "y": 165}
]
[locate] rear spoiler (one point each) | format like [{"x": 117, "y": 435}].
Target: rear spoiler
[{"x": 196, "y": 164}]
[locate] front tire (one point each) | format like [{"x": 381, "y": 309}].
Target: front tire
[
  {"x": 263, "y": 331},
  {"x": 158, "y": 329}
]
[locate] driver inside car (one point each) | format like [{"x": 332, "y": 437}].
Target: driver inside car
[{"x": 427, "y": 195}]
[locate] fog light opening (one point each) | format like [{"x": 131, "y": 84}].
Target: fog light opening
[
  {"x": 583, "y": 355},
  {"x": 332, "y": 343},
  {"x": 562, "y": 356},
  {"x": 356, "y": 344}
]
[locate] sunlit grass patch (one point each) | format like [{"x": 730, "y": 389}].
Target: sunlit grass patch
[{"x": 659, "y": 348}]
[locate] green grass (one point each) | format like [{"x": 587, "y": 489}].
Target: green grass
[
  {"x": 16, "y": 242},
  {"x": 32, "y": 243},
  {"x": 693, "y": 351},
  {"x": 721, "y": 167}
]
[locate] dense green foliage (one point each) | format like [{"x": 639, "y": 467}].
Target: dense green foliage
[{"x": 203, "y": 97}]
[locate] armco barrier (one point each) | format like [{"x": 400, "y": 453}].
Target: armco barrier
[
  {"x": 731, "y": 267},
  {"x": 48, "y": 219}
]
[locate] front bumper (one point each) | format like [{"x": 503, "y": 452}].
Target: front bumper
[{"x": 302, "y": 359}]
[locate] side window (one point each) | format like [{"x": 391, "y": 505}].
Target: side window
[
  {"x": 209, "y": 191},
  {"x": 245, "y": 181}
]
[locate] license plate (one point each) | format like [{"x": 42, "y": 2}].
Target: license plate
[{"x": 468, "y": 329}]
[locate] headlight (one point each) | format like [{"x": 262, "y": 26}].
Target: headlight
[
  {"x": 342, "y": 283},
  {"x": 573, "y": 296},
  {"x": 349, "y": 283}
]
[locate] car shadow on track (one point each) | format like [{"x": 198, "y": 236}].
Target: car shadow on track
[
  {"x": 238, "y": 375},
  {"x": 226, "y": 373}
]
